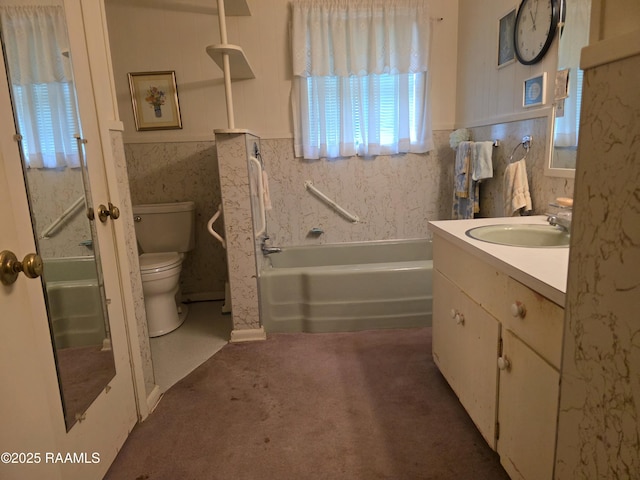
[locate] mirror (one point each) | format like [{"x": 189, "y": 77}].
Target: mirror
[
  {"x": 38, "y": 59},
  {"x": 566, "y": 111}
]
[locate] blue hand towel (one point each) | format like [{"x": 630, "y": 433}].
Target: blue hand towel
[{"x": 462, "y": 169}]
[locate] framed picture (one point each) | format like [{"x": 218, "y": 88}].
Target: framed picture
[
  {"x": 506, "y": 51},
  {"x": 533, "y": 91},
  {"x": 154, "y": 96}
]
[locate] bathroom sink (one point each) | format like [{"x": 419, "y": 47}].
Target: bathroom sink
[{"x": 536, "y": 236}]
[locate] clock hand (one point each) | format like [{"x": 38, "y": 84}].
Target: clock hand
[{"x": 533, "y": 20}]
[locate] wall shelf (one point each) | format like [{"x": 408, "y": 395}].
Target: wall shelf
[
  {"x": 238, "y": 63},
  {"x": 230, "y": 58},
  {"x": 237, "y": 8}
]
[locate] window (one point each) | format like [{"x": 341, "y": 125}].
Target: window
[
  {"x": 361, "y": 87},
  {"x": 43, "y": 93}
]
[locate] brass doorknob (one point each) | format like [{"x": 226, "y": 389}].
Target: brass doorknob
[
  {"x": 10, "y": 267},
  {"x": 105, "y": 212}
]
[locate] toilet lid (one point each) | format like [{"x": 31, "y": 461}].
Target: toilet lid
[{"x": 159, "y": 262}]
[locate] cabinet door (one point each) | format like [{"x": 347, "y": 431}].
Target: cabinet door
[
  {"x": 465, "y": 349},
  {"x": 527, "y": 413}
]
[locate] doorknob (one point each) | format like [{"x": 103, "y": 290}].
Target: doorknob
[
  {"x": 10, "y": 267},
  {"x": 104, "y": 212}
]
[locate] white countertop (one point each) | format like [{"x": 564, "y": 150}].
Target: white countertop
[{"x": 544, "y": 270}]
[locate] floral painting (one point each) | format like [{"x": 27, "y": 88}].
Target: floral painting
[{"x": 154, "y": 97}]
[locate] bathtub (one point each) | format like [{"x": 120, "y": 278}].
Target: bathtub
[
  {"x": 347, "y": 287},
  {"x": 74, "y": 302}
]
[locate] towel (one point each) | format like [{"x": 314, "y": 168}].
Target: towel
[
  {"x": 466, "y": 193},
  {"x": 516, "y": 188},
  {"x": 461, "y": 169},
  {"x": 481, "y": 164}
]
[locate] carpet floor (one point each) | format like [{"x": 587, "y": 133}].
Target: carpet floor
[{"x": 359, "y": 405}]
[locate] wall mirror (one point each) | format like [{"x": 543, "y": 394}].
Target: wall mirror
[
  {"x": 38, "y": 60},
  {"x": 566, "y": 109}
]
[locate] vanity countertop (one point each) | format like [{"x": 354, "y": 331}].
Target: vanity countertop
[{"x": 544, "y": 270}]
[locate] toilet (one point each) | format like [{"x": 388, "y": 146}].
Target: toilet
[{"x": 165, "y": 233}]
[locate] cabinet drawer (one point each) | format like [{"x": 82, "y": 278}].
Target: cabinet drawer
[
  {"x": 486, "y": 285},
  {"x": 540, "y": 327}
]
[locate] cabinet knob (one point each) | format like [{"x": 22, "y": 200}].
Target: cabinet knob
[
  {"x": 457, "y": 316},
  {"x": 518, "y": 309},
  {"x": 504, "y": 363}
]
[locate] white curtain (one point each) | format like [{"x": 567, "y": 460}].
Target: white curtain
[
  {"x": 360, "y": 77},
  {"x": 37, "y": 55},
  {"x": 575, "y": 35}
]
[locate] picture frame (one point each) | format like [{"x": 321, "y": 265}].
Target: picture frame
[
  {"x": 154, "y": 97},
  {"x": 506, "y": 50},
  {"x": 534, "y": 91}
]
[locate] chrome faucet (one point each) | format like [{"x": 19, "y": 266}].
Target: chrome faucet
[
  {"x": 561, "y": 219},
  {"x": 266, "y": 250}
]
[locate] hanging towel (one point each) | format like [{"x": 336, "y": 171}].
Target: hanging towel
[
  {"x": 516, "y": 188},
  {"x": 466, "y": 192},
  {"x": 461, "y": 170},
  {"x": 481, "y": 163},
  {"x": 266, "y": 195}
]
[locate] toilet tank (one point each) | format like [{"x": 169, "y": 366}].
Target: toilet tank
[{"x": 165, "y": 227}]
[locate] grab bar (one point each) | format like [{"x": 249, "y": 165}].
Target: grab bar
[
  {"x": 263, "y": 214},
  {"x": 62, "y": 218},
  {"x": 212, "y": 231},
  {"x": 349, "y": 216}
]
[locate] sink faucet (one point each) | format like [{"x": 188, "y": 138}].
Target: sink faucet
[
  {"x": 561, "y": 219},
  {"x": 266, "y": 250}
]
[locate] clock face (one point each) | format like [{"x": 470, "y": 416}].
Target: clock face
[{"x": 535, "y": 27}]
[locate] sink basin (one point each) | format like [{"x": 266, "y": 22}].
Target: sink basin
[{"x": 537, "y": 236}]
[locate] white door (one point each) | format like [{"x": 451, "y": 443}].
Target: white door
[{"x": 34, "y": 441}]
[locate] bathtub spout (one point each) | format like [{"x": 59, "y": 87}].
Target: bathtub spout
[{"x": 266, "y": 250}]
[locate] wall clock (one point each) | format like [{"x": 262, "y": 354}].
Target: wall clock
[{"x": 536, "y": 25}]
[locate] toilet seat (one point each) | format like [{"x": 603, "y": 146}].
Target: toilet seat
[{"x": 159, "y": 262}]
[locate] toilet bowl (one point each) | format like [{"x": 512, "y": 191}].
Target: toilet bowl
[
  {"x": 165, "y": 233},
  {"x": 160, "y": 274}
]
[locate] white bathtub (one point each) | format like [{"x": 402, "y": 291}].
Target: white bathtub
[
  {"x": 73, "y": 296},
  {"x": 347, "y": 287}
]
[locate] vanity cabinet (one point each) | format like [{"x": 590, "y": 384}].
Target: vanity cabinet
[
  {"x": 465, "y": 348},
  {"x": 498, "y": 344}
]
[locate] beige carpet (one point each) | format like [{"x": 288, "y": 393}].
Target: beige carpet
[{"x": 363, "y": 405}]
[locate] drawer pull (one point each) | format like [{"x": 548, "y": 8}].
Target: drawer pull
[
  {"x": 518, "y": 309},
  {"x": 504, "y": 363}
]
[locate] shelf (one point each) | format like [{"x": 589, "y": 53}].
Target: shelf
[
  {"x": 237, "y": 8},
  {"x": 238, "y": 63}
]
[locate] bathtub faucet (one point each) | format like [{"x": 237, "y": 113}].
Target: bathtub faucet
[{"x": 266, "y": 250}]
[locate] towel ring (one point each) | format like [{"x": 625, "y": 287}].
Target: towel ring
[{"x": 526, "y": 144}]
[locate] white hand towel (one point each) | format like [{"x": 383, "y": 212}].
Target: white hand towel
[
  {"x": 516, "y": 188},
  {"x": 481, "y": 162}
]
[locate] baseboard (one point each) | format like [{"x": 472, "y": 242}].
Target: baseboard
[
  {"x": 202, "y": 296},
  {"x": 248, "y": 335},
  {"x": 153, "y": 399}
]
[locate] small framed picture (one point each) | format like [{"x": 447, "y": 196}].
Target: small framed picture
[
  {"x": 154, "y": 96},
  {"x": 533, "y": 91},
  {"x": 506, "y": 50}
]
